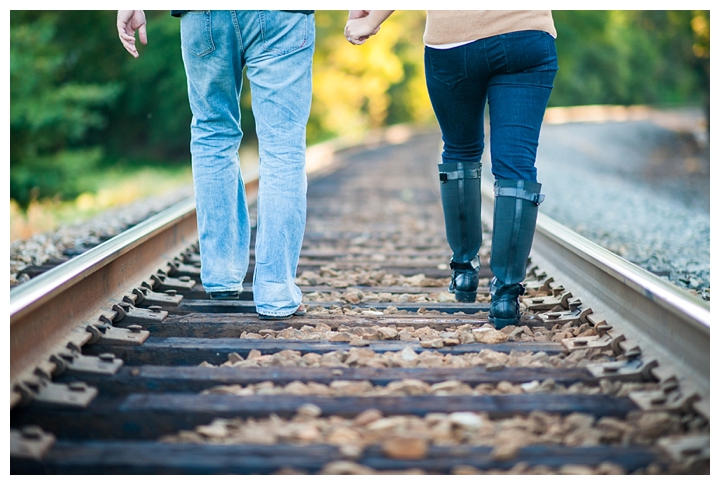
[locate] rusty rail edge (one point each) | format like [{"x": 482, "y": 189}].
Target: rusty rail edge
[
  {"x": 664, "y": 321},
  {"x": 44, "y": 314}
]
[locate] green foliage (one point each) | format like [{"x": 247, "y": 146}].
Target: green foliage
[
  {"x": 64, "y": 174},
  {"x": 50, "y": 114},
  {"x": 628, "y": 57},
  {"x": 154, "y": 119},
  {"x": 80, "y": 103},
  {"x": 367, "y": 86}
]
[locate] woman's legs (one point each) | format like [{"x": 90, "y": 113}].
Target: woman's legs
[
  {"x": 459, "y": 107},
  {"x": 517, "y": 99},
  {"x": 514, "y": 73}
]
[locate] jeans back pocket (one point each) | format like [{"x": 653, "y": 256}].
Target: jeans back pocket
[
  {"x": 196, "y": 32},
  {"x": 530, "y": 50},
  {"x": 447, "y": 65},
  {"x": 286, "y": 32}
]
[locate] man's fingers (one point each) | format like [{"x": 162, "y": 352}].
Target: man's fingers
[
  {"x": 127, "y": 23},
  {"x": 126, "y": 37},
  {"x": 128, "y": 41},
  {"x": 142, "y": 34},
  {"x": 133, "y": 52}
]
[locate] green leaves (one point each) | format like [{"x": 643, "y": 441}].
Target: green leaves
[
  {"x": 50, "y": 114},
  {"x": 628, "y": 57},
  {"x": 79, "y": 101}
]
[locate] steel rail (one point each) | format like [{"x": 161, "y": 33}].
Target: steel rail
[
  {"x": 55, "y": 307},
  {"x": 44, "y": 312},
  {"x": 664, "y": 321},
  {"x": 667, "y": 323}
]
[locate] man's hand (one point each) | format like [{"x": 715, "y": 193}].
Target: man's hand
[{"x": 128, "y": 21}]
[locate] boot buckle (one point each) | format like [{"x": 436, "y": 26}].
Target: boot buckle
[
  {"x": 519, "y": 193},
  {"x": 459, "y": 175}
]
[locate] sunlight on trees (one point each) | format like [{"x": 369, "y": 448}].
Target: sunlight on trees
[{"x": 80, "y": 105}]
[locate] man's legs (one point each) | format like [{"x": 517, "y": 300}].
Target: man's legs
[
  {"x": 213, "y": 65},
  {"x": 279, "y": 48}
]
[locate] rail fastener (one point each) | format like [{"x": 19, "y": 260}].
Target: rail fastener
[
  {"x": 144, "y": 297},
  {"x": 553, "y": 303},
  {"x": 633, "y": 370},
  {"x": 30, "y": 442}
]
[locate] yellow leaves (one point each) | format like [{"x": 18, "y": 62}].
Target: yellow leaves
[
  {"x": 352, "y": 84},
  {"x": 700, "y": 24}
]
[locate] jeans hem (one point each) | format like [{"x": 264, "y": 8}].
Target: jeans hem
[
  {"x": 271, "y": 314},
  {"x": 223, "y": 288}
]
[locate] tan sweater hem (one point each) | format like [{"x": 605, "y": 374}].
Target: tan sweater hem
[{"x": 450, "y": 26}]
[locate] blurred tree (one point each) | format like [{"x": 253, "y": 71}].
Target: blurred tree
[
  {"x": 700, "y": 24},
  {"x": 153, "y": 121},
  {"x": 631, "y": 57},
  {"x": 368, "y": 86},
  {"x": 80, "y": 102},
  {"x": 51, "y": 112}
]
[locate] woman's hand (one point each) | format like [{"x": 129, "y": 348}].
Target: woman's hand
[
  {"x": 362, "y": 24},
  {"x": 357, "y": 31}
]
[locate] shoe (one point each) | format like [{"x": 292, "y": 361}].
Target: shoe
[
  {"x": 301, "y": 310},
  {"x": 224, "y": 295},
  {"x": 464, "y": 281}
]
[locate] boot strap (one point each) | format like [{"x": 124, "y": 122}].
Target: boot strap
[
  {"x": 473, "y": 264},
  {"x": 519, "y": 193},
  {"x": 459, "y": 174}
]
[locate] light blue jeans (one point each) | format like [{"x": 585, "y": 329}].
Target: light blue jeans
[{"x": 277, "y": 49}]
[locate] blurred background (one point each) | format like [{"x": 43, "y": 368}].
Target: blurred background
[{"x": 92, "y": 127}]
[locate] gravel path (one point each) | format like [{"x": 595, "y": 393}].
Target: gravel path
[
  {"x": 641, "y": 189},
  {"x": 68, "y": 241},
  {"x": 638, "y": 188}
]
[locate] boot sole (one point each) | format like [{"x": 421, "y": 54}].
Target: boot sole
[
  {"x": 499, "y": 323},
  {"x": 466, "y": 296}
]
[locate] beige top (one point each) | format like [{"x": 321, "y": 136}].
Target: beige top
[{"x": 450, "y": 26}]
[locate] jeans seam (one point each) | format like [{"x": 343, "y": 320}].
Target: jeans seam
[
  {"x": 238, "y": 33},
  {"x": 505, "y": 56}
]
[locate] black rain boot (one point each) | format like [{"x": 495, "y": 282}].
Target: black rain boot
[
  {"x": 514, "y": 218},
  {"x": 461, "y": 196}
]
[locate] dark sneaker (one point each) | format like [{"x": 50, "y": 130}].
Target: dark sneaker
[
  {"x": 224, "y": 295},
  {"x": 301, "y": 310}
]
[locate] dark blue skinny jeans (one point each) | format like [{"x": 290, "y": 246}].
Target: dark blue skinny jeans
[{"x": 514, "y": 72}]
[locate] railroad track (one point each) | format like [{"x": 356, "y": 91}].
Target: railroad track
[{"x": 121, "y": 364}]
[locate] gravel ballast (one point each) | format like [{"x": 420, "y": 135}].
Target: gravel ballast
[
  {"x": 70, "y": 240},
  {"x": 639, "y": 188}
]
